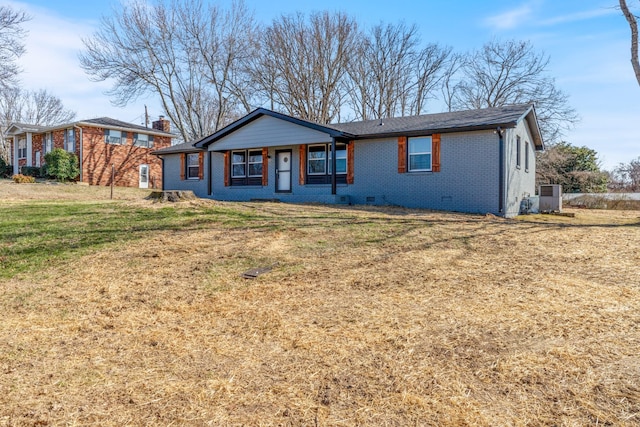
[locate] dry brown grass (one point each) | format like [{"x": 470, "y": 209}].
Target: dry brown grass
[{"x": 372, "y": 317}]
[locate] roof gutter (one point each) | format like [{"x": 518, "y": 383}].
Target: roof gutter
[{"x": 422, "y": 132}]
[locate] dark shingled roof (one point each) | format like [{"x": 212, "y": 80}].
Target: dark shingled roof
[
  {"x": 456, "y": 121},
  {"x": 487, "y": 118},
  {"x": 185, "y": 147},
  {"x": 113, "y": 123}
]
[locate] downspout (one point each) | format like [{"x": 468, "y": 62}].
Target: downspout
[
  {"x": 333, "y": 166},
  {"x": 81, "y": 146},
  {"x": 501, "y": 191}
]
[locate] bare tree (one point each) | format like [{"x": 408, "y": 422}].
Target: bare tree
[
  {"x": 36, "y": 108},
  {"x": 626, "y": 176},
  {"x": 190, "y": 56},
  {"x": 511, "y": 73},
  {"x": 302, "y": 65},
  {"x": 391, "y": 75},
  {"x": 11, "y": 44},
  {"x": 633, "y": 25}
]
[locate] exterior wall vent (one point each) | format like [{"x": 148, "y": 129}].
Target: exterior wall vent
[{"x": 550, "y": 198}]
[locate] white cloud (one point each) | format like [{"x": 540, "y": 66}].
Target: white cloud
[{"x": 510, "y": 19}]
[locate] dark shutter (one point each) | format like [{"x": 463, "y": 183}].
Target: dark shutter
[
  {"x": 435, "y": 156},
  {"x": 227, "y": 160},
  {"x": 402, "y": 154},
  {"x": 303, "y": 163},
  {"x": 265, "y": 167},
  {"x": 200, "y": 165},
  {"x": 183, "y": 161},
  {"x": 350, "y": 162}
]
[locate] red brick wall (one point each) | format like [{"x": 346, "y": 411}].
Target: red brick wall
[{"x": 98, "y": 156}]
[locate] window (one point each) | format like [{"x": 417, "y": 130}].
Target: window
[
  {"x": 317, "y": 160},
  {"x": 255, "y": 163},
  {"x": 420, "y": 154},
  {"x": 193, "y": 166},
  {"x": 238, "y": 164},
  {"x": 70, "y": 140},
  {"x": 319, "y": 163},
  {"x": 22, "y": 149},
  {"x": 246, "y": 167},
  {"x": 115, "y": 136},
  {"x": 143, "y": 140},
  {"x": 526, "y": 156},
  {"x": 48, "y": 143},
  {"x": 518, "y": 152}
]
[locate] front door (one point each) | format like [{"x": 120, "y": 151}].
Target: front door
[
  {"x": 144, "y": 176},
  {"x": 283, "y": 171}
]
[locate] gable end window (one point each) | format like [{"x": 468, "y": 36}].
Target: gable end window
[
  {"x": 247, "y": 167},
  {"x": 518, "y": 152},
  {"x": 115, "y": 137},
  {"x": 419, "y": 151},
  {"x": 526, "y": 156},
  {"x": 143, "y": 140},
  {"x": 319, "y": 163}
]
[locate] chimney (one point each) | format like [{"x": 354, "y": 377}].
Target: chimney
[{"x": 162, "y": 124}]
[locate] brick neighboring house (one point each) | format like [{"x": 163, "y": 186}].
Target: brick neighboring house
[{"x": 99, "y": 144}]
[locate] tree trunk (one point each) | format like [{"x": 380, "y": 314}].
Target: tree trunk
[{"x": 633, "y": 24}]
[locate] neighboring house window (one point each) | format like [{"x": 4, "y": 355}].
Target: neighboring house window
[
  {"x": 143, "y": 140},
  {"x": 420, "y": 154},
  {"x": 246, "y": 167},
  {"x": 22, "y": 149},
  {"x": 114, "y": 136},
  {"x": 48, "y": 143},
  {"x": 319, "y": 163},
  {"x": 70, "y": 140},
  {"x": 518, "y": 152},
  {"x": 526, "y": 156},
  {"x": 193, "y": 166}
]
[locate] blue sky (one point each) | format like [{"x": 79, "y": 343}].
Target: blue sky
[{"x": 587, "y": 41}]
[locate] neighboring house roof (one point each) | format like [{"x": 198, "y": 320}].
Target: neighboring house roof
[
  {"x": 102, "y": 122},
  {"x": 456, "y": 121},
  {"x": 18, "y": 128}
]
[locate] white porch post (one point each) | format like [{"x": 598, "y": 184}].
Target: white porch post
[
  {"x": 29, "y": 149},
  {"x": 15, "y": 155}
]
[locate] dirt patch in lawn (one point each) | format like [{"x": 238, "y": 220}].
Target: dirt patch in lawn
[{"x": 369, "y": 317}]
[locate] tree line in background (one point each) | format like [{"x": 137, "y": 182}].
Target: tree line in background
[{"x": 208, "y": 66}]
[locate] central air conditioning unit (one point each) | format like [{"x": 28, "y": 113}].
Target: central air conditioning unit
[{"x": 550, "y": 197}]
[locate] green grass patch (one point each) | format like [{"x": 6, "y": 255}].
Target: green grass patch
[{"x": 36, "y": 234}]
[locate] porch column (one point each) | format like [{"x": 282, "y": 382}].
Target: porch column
[{"x": 15, "y": 155}]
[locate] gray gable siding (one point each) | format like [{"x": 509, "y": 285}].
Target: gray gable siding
[{"x": 267, "y": 131}]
